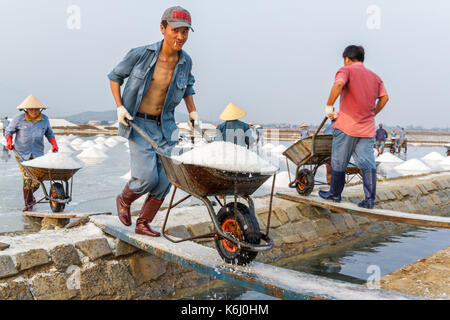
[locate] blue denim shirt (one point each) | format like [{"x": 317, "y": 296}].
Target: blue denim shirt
[
  {"x": 29, "y": 138},
  {"x": 234, "y": 131},
  {"x": 139, "y": 65}
]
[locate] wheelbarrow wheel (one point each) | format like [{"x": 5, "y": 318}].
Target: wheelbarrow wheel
[
  {"x": 304, "y": 182},
  {"x": 247, "y": 230},
  {"x": 57, "y": 192}
]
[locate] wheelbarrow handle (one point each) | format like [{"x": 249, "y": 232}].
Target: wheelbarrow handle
[
  {"x": 202, "y": 132},
  {"x": 320, "y": 127},
  {"x": 143, "y": 134}
]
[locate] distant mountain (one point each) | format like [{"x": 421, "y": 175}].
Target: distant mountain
[{"x": 111, "y": 115}]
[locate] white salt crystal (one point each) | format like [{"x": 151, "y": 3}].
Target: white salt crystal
[
  {"x": 99, "y": 140},
  {"x": 54, "y": 160},
  {"x": 388, "y": 157},
  {"x": 226, "y": 156},
  {"x": 76, "y": 141},
  {"x": 278, "y": 149},
  {"x": 413, "y": 165},
  {"x": 92, "y": 152},
  {"x": 445, "y": 161},
  {"x": 111, "y": 142},
  {"x": 87, "y": 144},
  {"x": 434, "y": 156}
]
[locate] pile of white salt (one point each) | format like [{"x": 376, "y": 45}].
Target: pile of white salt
[
  {"x": 388, "y": 157},
  {"x": 228, "y": 157},
  {"x": 413, "y": 165},
  {"x": 54, "y": 160}
]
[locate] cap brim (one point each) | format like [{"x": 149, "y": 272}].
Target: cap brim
[{"x": 180, "y": 24}]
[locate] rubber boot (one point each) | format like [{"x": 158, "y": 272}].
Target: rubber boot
[
  {"x": 123, "y": 202},
  {"x": 336, "y": 187},
  {"x": 148, "y": 212},
  {"x": 369, "y": 186},
  {"x": 28, "y": 199}
]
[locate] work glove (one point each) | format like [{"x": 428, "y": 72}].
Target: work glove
[
  {"x": 193, "y": 120},
  {"x": 9, "y": 144},
  {"x": 122, "y": 113},
  {"x": 54, "y": 145},
  {"x": 330, "y": 113}
]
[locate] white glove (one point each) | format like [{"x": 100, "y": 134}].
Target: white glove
[
  {"x": 122, "y": 113},
  {"x": 329, "y": 111},
  {"x": 193, "y": 116}
]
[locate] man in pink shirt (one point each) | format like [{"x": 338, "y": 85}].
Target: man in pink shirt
[{"x": 363, "y": 96}]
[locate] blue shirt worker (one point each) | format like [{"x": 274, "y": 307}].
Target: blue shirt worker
[
  {"x": 232, "y": 129},
  {"x": 159, "y": 77},
  {"x": 380, "y": 138},
  {"x": 29, "y": 129},
  {"x": 304, "y": 131},
  {"x": 402, "y": 140}
]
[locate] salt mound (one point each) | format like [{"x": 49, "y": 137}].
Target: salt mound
[
  {"x": 279, "y": 149},
  {"x": 226, "y": 156},
  {"x": 101, "y": 147},
  {"x": 434, "y": 156},
  {"x": 92, "y": 152},
  {"x": 413, "y": 165},
  {"x": 388, "y": 157},
  {"x": 65, "y": 148},
  {"x": 99, "y": 140},
  {"x": 111, "y": 142},
  {"x": 76, "y": 141},
  {"x": 281, "y": 181},
  {"x": 268, "y": 146},
  {"x": 445, "y": 162},
  {"x": 87, "y": 144},
  {"x": 54, "y": 160}
]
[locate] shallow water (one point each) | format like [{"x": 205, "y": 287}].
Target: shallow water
[{"x": 354, "y": 263}]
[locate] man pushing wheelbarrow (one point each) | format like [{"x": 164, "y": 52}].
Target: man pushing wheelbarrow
[
  {"x": 159, "y": 78},
  {"x": 30, "y": 129},
  {"x": 354, "y": 127}
]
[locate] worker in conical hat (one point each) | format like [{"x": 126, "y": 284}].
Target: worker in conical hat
[
  {"x": 304, "y": 132},
  {"x": 232, "y": 129},
  {"x": 30, "y": 128}
]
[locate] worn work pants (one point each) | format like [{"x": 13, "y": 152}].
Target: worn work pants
[
  {"x": 147, "y": 172},
  {"x": 345, "y": 146}
]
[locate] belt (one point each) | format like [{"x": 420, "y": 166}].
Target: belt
[{"x": 148, "y": 116}]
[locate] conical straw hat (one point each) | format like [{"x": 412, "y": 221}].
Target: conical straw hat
[
  {"x": 31, "y": 102},
  {"x": 232, "y": 112}
]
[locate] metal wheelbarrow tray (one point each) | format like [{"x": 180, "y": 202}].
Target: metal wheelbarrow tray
[
  {"x": 308, "y": 155},
  {"x": 237, "y": 240}
]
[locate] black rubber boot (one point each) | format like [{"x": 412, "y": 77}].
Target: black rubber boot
[
  {"x": 336, "y": 187},
  {"x": 369, "y": 186}
]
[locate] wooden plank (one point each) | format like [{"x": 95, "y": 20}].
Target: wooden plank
[
  {"x": 62, "y": 215},
  {"x": 382, "y": 214},
  {"x": 260, "y": 277}
]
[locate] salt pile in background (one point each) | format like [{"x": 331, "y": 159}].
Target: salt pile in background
[
  {"x": 87, "y": 144},
  {"x": 92, "y": 152},
  {"x": 445, "y": 163},
  {"x": 226, "y": 156},
  {"x": 278, "y": 149},
  {"x": 412, "y": 165},
  {"x": 99, "y": 140},
  {"x": 434, "y": 156},
  {"x": 54, "y": 160},
  {"x": 111, "y": 142},
  {"x": 76, "y": 141},
  {"x": 388, "y": 157}
]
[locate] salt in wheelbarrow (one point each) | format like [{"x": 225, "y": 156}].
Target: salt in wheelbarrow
[
  {"x": 237, "y": 236},
  {"x": 308, "y": 155},
  {"x": 61, "y": 182}
]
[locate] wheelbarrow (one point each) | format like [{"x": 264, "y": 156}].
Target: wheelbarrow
[
  {"x": 308, "y": 155},
  {"x": 237, "y": 235},
  {"x": 61, "y": 182}
]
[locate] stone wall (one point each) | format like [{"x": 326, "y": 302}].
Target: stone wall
[{"x": 103, "y": 267}]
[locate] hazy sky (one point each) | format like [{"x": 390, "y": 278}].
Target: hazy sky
[{"x": 276, "y": 59}]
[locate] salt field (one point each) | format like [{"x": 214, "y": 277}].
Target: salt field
[{"x": 105, "y": 170}]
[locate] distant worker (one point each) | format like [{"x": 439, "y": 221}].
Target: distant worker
[
  {"x": 394, "y": 140},
  {"x": 259, "y": 134},
  {"x": 402, "y": 140},
  {"x": 354, "y": 127},
  {"x": 380, "y": 138},
  {"x": 304, "y": 131},
  {"x": 5, "y": 123},
  {"x": 30, "y": 129},
  {"x": 232, "y": 129}
]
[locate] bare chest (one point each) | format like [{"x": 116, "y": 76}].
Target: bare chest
[{"x": 163, "y": 74}]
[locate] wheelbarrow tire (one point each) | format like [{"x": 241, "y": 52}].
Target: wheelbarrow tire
[
  {"x": 57, "y": 192},
  {"x": 304, "y": 182},
  {"x": 248, "y": 231}
]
